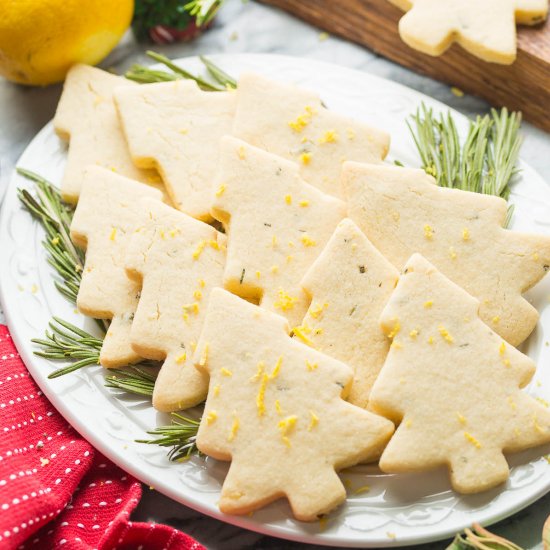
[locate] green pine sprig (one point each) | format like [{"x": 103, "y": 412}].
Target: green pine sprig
[{"x": 180, "y": 437}]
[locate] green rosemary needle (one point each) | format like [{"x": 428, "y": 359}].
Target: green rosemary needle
[
  {"x": 478, "y": 538},
  {"x": 219, "y": 75},
  {"x": 65, "y": 341},
  {"x": 55, "y": 216},
  {"x": 132, "y": 380},
  {"x": 181, "y": 436}
]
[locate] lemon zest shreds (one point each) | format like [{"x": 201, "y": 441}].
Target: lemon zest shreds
[
  {"x": 472, "y": 440},
  {"x": 276, "y": 369},
  {"x": 314, "y": 420},
  {"x": 221, "y": 190},
  {"x": 307, "y": 240},
  {"x": 330, "y": 136},
  {"x": 260, "y": 399},
  {"x": 211, "y": 417},
  {"x": 259, "y": 371},
  {"x": 226, "y": 372},
  {"x": 396, "y": 328},
  {"x": 234, "y": 429},
  {"x": 286, "y": 426},
  {"x": 305, "y": 158},
  {"x": 300, "y": 331},
  {"x": 445, "y": 334},
  {"x": 285, "y": 301},
  {"x": 112, "y": 236},
  {"x": 311, "y": 366},
  {"x": 204, "y": 356},
  {"x": 181, "y": 358}
]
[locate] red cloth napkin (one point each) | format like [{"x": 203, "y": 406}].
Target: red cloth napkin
[{"x": 55, "y": 489}]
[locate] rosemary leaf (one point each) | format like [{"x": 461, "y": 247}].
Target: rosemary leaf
[
  {"x": 180, "y": 436},
  {"x": 132, "y": 380},
  {"x": 144, "y": 75}
]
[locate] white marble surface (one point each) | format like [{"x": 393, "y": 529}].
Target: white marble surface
[{"x": 251, "y": 27}]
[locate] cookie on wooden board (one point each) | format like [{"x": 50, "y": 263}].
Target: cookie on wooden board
[
  {"x": 350, "y": 283},
  {"x": 108, "y": 212},
  {"x": 273, "y": 403},
  {"x": 277, "y": 225},
  {"x": 485, "y": 28},
  {"x": 176, "y": 128},
  {"x": 292, "y": 122},
  {"x": 86, "y": 117},
  {"x": 453, "y": 384},
  {"x": 401, "y": 211},
  {"x": 176, "y": 260}
]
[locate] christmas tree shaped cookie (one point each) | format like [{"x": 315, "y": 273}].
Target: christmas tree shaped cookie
[
  {"x": 176, "y": 128},
  {"x": 108, "y": 212},
  {"x": 293, "y": 123},
  {"x": 453, "y": 384},
  {"x": 277, "y": 225},
  {"x": 273, "y": 403},
  {"x": 401, "y": 211},
  {"x": 485, "y": 28},
  {"x": 350, "y": 283},
  {"x": 178, "y": 260},
  {"x": 87, "y": 118}
]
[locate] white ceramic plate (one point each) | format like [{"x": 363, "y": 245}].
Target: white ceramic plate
[{"x": 398, "y": 509}]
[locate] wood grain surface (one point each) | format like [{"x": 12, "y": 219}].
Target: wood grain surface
[{"x": 524, "y": 85}]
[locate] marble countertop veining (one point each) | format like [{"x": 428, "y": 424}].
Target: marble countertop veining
[{"x": 243, "y": 26}]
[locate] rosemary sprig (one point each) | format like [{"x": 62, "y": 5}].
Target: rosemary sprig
[
  {"x": 181, "y": 436},
  {"x": 478, "y": 538},
  {"x": 65, "y": 341},
  {"x": 484, "y": 163},
  {"x": 55, "y": 216},
  {"x": 145, "y": 75},
  {"x": 132, "y": 380}
]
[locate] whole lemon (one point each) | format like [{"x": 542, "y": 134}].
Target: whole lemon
[{"x": 41, "y": 39}]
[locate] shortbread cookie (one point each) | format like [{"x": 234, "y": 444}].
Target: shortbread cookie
[
  {"x": 176, "y": 127},
  {"x": 87, "y": 118},
  {"x": 273, "y": 406},
  {"x": 292, "y": 122},
  {"x": 453, "y": 384},
  {"x": 277, "y": 225},
  {"x": 350, "y": 283},
  {"x": 401, "y": 211},
  {"x": 108, "y": 212},
  {"x": 178, "y": 260},
  {"x": 485, "y": 28}
]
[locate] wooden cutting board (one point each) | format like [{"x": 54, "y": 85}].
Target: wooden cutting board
[{"x": 523, "y": 86}]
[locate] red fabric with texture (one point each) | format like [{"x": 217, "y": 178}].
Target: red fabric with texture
[{"x": 56, "y": 491}]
